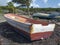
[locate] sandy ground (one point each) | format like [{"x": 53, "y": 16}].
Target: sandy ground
[{"x": 10, "y": 37}]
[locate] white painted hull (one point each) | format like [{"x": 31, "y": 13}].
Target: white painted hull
[{"x": 31, "y": 28}]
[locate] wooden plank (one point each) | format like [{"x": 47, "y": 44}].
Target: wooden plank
[{"x": 16, "y": 39}]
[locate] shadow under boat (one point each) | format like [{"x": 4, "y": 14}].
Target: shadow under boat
[{"x": 9, "y": 32}]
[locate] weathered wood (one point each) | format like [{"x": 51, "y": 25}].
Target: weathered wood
[
  {"x": 10, "y": 37},
  {"x": 35, "y": 29}
]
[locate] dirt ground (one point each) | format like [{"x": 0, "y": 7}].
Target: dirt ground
[{"x": 10, "y": 37}]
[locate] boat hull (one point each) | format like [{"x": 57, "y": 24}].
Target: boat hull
[{"x": 31, "y": 30}]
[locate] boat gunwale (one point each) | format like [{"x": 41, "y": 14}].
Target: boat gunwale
[{"x": 29, "y": 20}]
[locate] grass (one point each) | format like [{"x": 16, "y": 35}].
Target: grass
[{"x": 2, "y": 19}]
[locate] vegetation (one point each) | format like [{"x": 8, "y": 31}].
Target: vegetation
[
  {"x": 41, "y": 9},
  {"x": 32, "y": 10},
  {"x": 11, "y": 7},
  {"x": 0, "y": 10},
  {"x": 24, "y": 2}
]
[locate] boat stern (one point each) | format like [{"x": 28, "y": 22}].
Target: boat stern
[{"x": 39, "y": 31}]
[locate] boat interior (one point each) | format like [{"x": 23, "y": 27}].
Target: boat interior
[{"x": 22, "y": 19}]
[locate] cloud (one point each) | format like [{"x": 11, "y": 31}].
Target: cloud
[
  {"x": 9, "y": 0},
  {"x": 45, "y": 1},
  {"x": 4, "y": 2},
  {"x": 34, "y": 4},
  {"x": 59, "y": 4},
  {"x": 33, "y": 0},
  {"x": 15, "y": 4}
]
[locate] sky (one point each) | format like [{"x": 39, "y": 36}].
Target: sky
[{"x": 38, "y": 3}]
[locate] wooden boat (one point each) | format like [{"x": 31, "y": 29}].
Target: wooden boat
[{"x": 35, "y": 29}]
